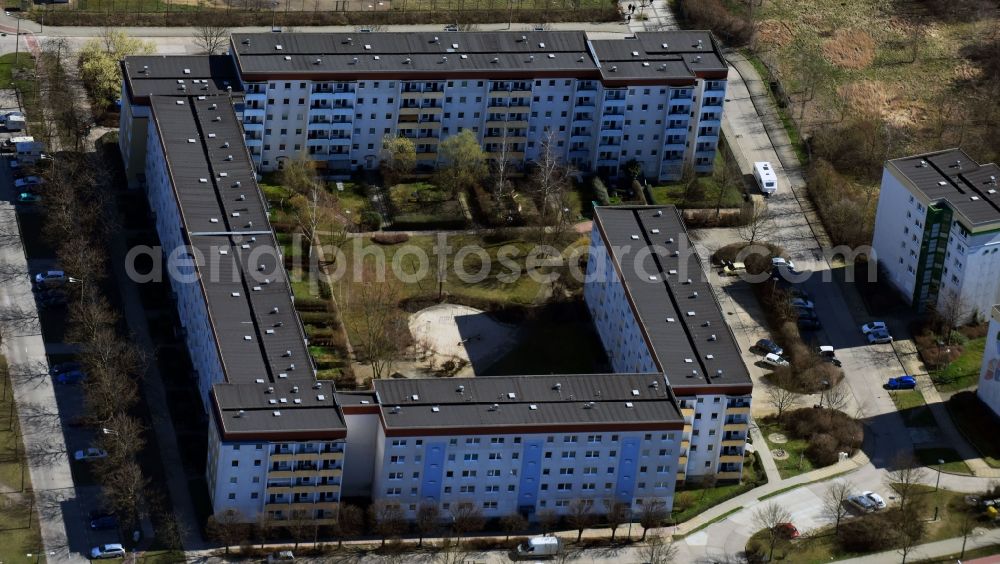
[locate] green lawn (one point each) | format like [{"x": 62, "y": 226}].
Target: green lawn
[
  {"x": 952, "y": 461},
  {"x": 964, "y": 371},
  {"x": 22, "y": 75},
  {"x": 19, "y": 534},
  {"x": 25, "y": 63},
  {"x": 913, "y": 408},
  {"x": 796, "y": 463},
  {"x": 821, "y": 545},
  {"x": 692, "y": 501},
  {"x": 673, "y": 193}
]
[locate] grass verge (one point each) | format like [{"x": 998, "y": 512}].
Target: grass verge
[
  {"x": 963, "y": 372},
  {"x": 19, "y": 533},
  {"x": 953, "y": 463},
  {"x": 689, "y": 502},
  {"x": 911, "y": 406}
]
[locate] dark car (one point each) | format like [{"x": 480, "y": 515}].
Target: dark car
[
  {"x": 63, "y": 367},
  {"x": 811, "y": 324},
  {"x": 71, "y": 377},
  {"x": 102, "y": 522},
  {"x": 766, "y": 346},
  {"x": 901, "y": 383}
]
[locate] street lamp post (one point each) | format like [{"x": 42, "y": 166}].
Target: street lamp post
[
  {"x": 938, "y": 482},
  {"x": 274, "y": 7}
]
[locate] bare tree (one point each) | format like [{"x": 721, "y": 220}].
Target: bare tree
[
  {"x": 548, "y": 520},
  {"x": 581, "y": 515},
  {"x": 652, "y": 515},
  {"x": 387, "y": 520},
  {"x": 836, "y": 396},
  {"x": 550, "y": 179},
  {"x": 123, "y": 485},
  {"x": 617, "y": 513},
  {"x": 835, "y": 501},
  {"x": 756, "y": 222},
  {"x": 264, "y": 527},
  {"x": 122, "y": 438},
  {"x": 965, "y": 527},
  {"x": 911, "y": 532},
  {"x": 227, "y": 528},
  {"x": 379, "y": 325},
  {"x": 350, "y": 523},
  {"x": 950, "y": 311},
  {"x": 659, "y": 549},
  {"x": 428, "y": 520},
  {"x": 88, "y": 316},
  {"x": 513, "y": 523},
  {"x": 468, "y": 519},
  {"x": 211, "y": 39},
  {"x": 298, "y": 525},
  {"x": 781, "y": 399},
  {"x": 503, "y": 190},
  {"x": 768, "y": 518},
  {"x": 905, "y": 478}
]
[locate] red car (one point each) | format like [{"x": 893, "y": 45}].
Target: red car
[{"x": 787, "y": 530}]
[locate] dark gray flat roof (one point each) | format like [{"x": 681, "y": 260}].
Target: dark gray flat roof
[
  {"x": 953, "y": 177},
  {"x": 671, "y": 297},
  {"x": 282, "y": 409},
  {"x": 180, "y": 75},
  {"x": 426, "y": 55},
  {"x": 258, "y": 335},
  {"x": 512, "y": 401}
]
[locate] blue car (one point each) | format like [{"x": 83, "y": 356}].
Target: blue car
[
  {"x": 901, "y": 383},
  {"x": 71, "y": 377},
  {"x": 104, "y": 522},
  {"x": 767, "y": 346}
]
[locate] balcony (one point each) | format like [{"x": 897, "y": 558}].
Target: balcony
[
  {"x": 301, "y": 506},
  {"x": 738, "y": 410},
  {"x": 409, "y": 111},
  {"x": 731, "y": 458},
  {"x": 733, "y": 442},
  {"x": 682, "y": 461},
  {"x": 734, "y": 427},
  {"x": 426, "y": 156},
  {"x": 681, "y": 476},
  {"x": 685, "y": 444},
  {"x": 687, "y": 412},
  {"x": 729, "y": 475}
]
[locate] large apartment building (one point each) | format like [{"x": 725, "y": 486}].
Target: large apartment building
[
  {"x": 657, "y": 314},
  {"x": 598, "y": 104},
  {"x": 283, "y": 443},
  {"x": 937, "y": 231}
]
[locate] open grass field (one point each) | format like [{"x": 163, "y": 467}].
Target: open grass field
[
  {"x": 693, "y": 500},
  {"x": 710, "y": 195}
]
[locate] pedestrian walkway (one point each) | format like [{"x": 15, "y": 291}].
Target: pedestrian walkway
[{"x": 978, "y": 539}]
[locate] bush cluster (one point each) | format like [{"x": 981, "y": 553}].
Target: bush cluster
[{"x": 829, "y": 432}]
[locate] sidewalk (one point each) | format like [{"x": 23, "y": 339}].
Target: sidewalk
[{"x": 932, "y": 549}]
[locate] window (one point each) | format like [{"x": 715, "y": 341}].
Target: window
[
  {"x": 467, "y": 489},
  {"x": 398, "y": 443},
  {"x": 395, "y": 475},
  {"x": 236, "y": 463},
  {"x": 232, "y": 496},
  {"x": 569, "y": 454},
  {"x": 489, "y": 505},
  {"x": 493, "y": 472},
  {"x": 468, "y": 473},
  {"x": 232, "y": 480},
  {"x": 468, "y": 457},
  {"x": 397, "y": 459},
  {"x": 393, "y": 491},
  {"x": 496, "y": 456},
  {"x": 492, "y": 489}
]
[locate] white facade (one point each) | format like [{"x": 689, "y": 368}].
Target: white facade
[
  {"x": 594, "y": 128},
  {"x": 932, "y": 254},
  {"x": 505, "y": 474},
  {"x": 989, "y": 374}
]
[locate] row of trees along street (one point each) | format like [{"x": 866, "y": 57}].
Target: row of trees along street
[{"x": 231, "y": 529}]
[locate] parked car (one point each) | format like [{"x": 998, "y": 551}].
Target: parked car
[
  {"x": 879, "y": 337},
  {"x": 71, "y": 377},
  {"x": 108, "y": 551},
  {"x": 875, "y": 498},
  {"x": 781, "y": 262},
  {"x": 811, "y": 324},
  {"x": 92, "y": 453},
  {"x": 806, "y": 313},
  {"x": 774, "y": 360},
  {"x": 14, "y": 164},
  {"x": 28, "y": 181},
  {"x": 874, "y": 326},
  {"x": 766, "y": 346},
  {"x": 28, "y": 198},
  {"x": 828, "y": 354},
  {"x": 50, "y": 277},
  {"x": 901, "y": 383},
  {"x": 63, "y": 367},
  {"x": 862, "y": 503},
  {"x": 787, "y": 530},
  {"x": 282, "y": 556},
  {"x": 802, "y": 302},
  {"x": 102, "y": 522}
]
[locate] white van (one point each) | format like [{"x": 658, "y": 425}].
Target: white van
[
  {"x": 539, "y": 546},
  {"x": 766, "y": 179}
]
